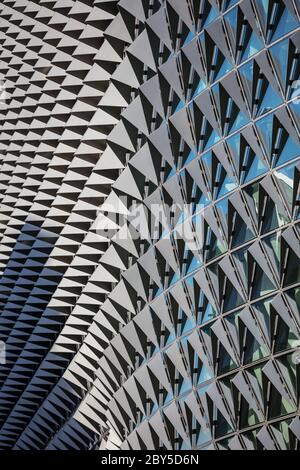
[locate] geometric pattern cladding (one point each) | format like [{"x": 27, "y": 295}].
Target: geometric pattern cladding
[{"x": 184, "y": 334}]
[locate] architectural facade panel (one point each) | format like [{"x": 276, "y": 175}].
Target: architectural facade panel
[{"x": 149, "y": 224}]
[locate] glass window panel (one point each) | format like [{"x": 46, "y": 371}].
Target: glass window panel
[{"x": 287, "y": 23}]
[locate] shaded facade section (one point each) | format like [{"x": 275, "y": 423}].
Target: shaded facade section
[{"x": 185, "y": 335}]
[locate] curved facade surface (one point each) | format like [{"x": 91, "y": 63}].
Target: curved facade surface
[{"x": 149, "y": 242}]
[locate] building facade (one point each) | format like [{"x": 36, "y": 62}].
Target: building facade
[{"x": 149, "y": 224}]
